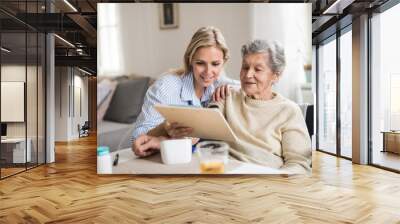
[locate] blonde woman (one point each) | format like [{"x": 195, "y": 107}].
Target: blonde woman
[{"x": 193, "y": 85}]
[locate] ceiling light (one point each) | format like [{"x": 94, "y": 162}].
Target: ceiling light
[
  {"x": 5, "y": 50},
  {"x": 84, "y": 71},
  {"x": 79, "y": 51},
  {"x": 70, "y": 5},
  {"x": 65, "y": 41},
  {"x": 337, "y": 7}
]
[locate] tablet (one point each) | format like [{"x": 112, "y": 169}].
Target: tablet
[{"x": 207, "y": 123}]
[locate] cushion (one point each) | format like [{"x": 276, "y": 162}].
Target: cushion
[
  {"x": 106, "y": 89},
  {"x": 135, "y": 76},
  {"x": 127, "y": 100}
]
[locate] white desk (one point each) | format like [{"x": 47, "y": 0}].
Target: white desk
[
  {"x": 131, "y": 164},
  {"x": 19, "y": 149}
]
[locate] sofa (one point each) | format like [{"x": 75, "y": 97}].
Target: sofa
[
  {"x": 119, "y": 102},
  {"x": 308, "y": 113}
]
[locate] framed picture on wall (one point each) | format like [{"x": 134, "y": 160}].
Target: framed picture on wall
[{"x": 169, "y": 16}]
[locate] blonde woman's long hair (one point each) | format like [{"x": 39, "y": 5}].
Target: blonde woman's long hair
[{"x": 204, "y": 37}]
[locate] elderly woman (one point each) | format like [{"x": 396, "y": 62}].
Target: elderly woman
[{"x": 270, "y": 129}]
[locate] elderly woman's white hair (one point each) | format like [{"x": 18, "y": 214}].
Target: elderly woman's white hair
[{"x": 272, "y": 49}]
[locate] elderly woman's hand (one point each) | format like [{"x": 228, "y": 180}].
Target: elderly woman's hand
[
  {"x": 220, "y": 93},
  {"x": 176, "y": 130}
]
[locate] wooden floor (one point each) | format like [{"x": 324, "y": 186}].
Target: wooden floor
[
  {"x": 5, "y": 172},
  {"x": 10, "y": 171},
  {"x": 70, "y": 191}
]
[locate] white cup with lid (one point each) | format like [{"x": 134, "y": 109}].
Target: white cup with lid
[{"x": 176, "y": 151}]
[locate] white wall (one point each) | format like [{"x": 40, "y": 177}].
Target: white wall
[
  {"x": 12, "y": 100},
  {"x": 131, "y": 42},
  {"x": 290, "y": 24},
  {"x": 61, "y": 103},
  {"x": 14, "y": 73},
  {"x": 67, "y": 120},
  {"x": 33, "y": 127},
  {"x": 17, "y": 73},
  {"x": 139, "y": 46},
  {"x": 80, "y": 84}
]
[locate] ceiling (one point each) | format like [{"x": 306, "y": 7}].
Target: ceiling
[
  {"x": 76, "y": 22},
  {"x": 76, "y": 25}
]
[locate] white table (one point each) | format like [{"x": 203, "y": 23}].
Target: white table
[
  {"x": 131, "y": 164},
  {"x": 19, "y": 151}
]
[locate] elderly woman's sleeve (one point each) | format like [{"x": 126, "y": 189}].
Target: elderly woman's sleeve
[{"x": 296, "y": 144}]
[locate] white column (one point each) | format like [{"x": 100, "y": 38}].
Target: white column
[
  {"x": 50, "y": 99},
  {"x": 360, "y": 90}
]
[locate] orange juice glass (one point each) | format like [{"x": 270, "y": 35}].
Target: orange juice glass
[{"x": 213, "y": 156}]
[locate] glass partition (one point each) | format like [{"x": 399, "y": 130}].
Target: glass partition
[
  {"x": 346, "y": 94},
  {"x": 41, "y": 109},
  {"x": 31, "y": 98},
  {"x": 13, "y": 86},
  {"x": 22, "y": 88},
  {"x": 385, "y": 89},
  {"x": 327, "y": 96}
]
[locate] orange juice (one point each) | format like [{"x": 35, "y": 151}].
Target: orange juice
[{"x": 212, "y": 167}]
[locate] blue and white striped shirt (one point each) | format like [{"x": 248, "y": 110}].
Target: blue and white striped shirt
[{"x": 172, "y": 90}]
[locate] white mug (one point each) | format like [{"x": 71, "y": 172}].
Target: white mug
[{"x": 176, "y": 151}]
